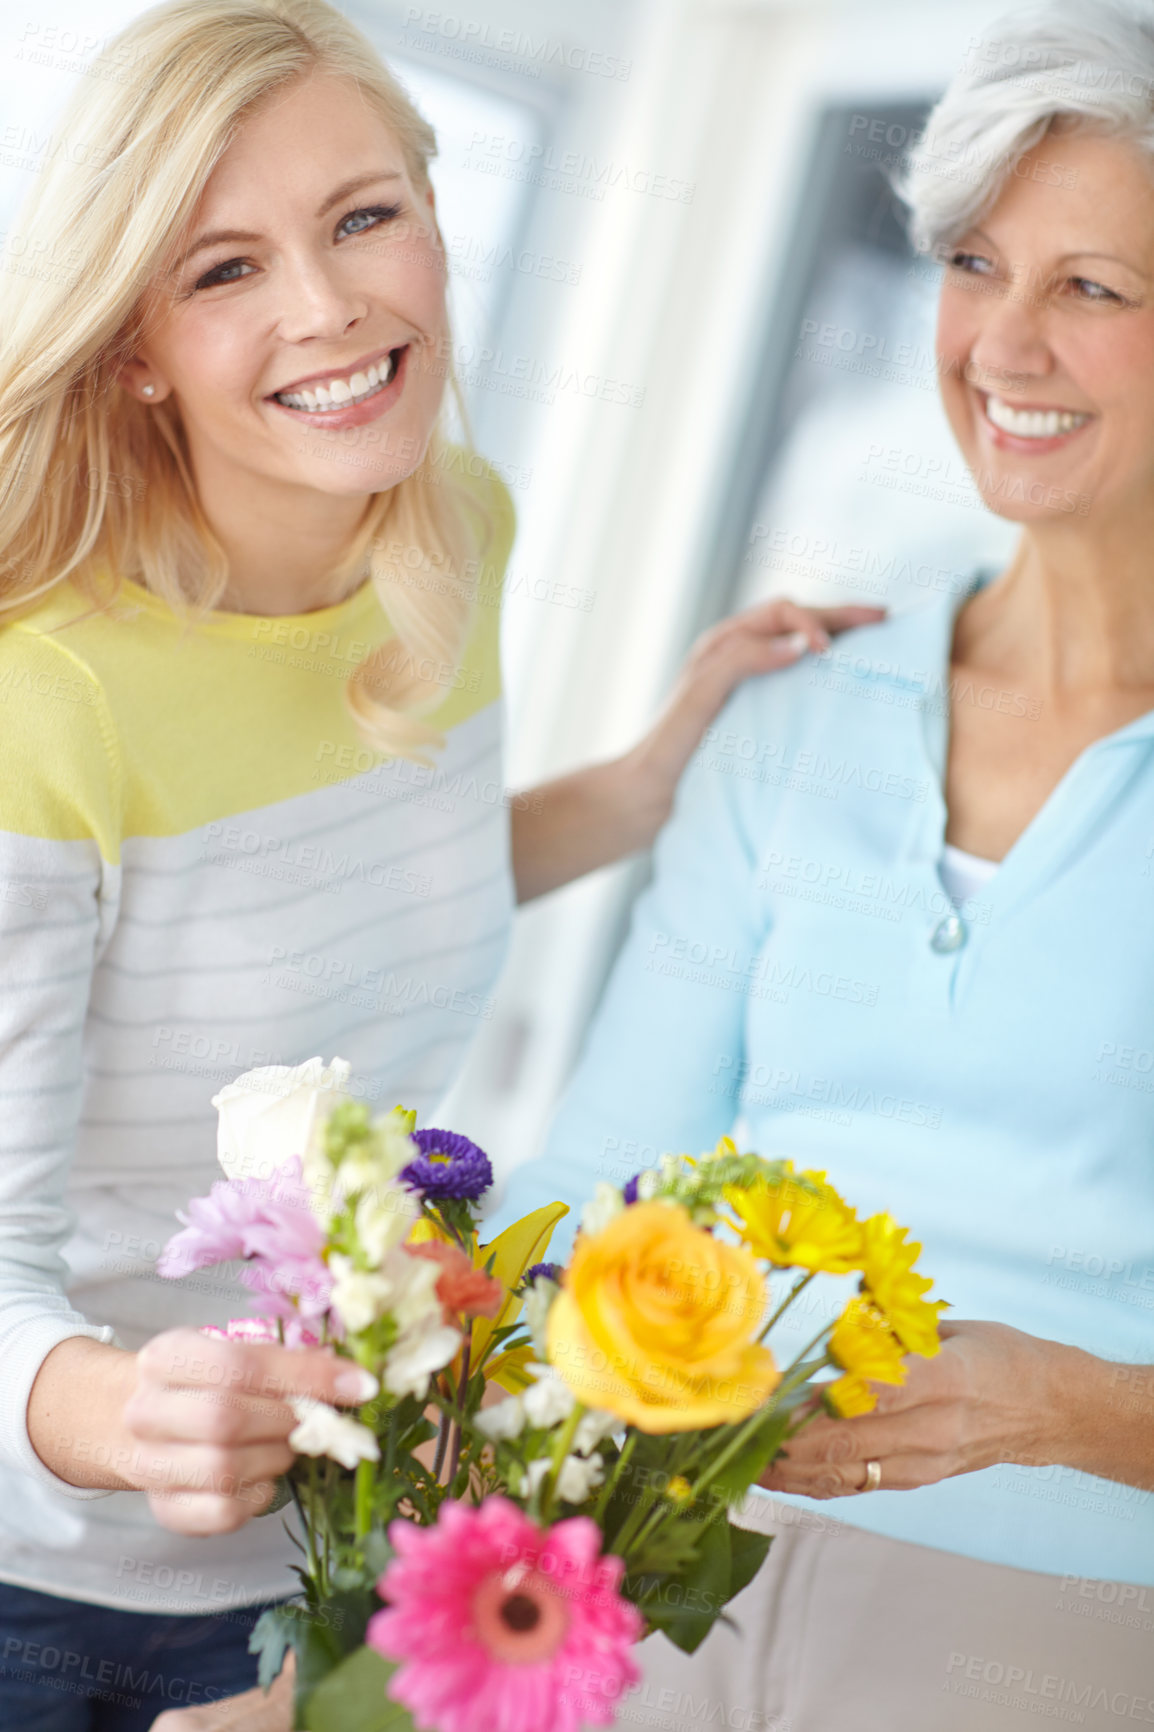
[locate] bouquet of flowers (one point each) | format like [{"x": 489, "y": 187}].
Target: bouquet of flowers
[{"x": 547, "y": 1470}]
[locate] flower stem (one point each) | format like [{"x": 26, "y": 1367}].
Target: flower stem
[
  {"x": 609, "y": 1487},
  {"x": 444, "y": 1424},
  {"x": 797, "y": 1287},
  {"x": 784, "y": 1386},
  {"x": 560, "y": 1450},
  {"x": 726, "y": 1455},
  {"x": 458, "y": 1422},
  {"x": 363, "y": 1492}
]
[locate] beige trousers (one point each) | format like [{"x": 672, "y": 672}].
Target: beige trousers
[{"x": 843, "y": 1631}]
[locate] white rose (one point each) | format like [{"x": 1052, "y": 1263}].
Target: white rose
[
  {"x": 420, "y": 1352},
  {"x": 268, "y": 1115},
  {"x": 549, "y": 1400},
  {"x": 503, "y": 1422},
  {"x": 322, "y": 1430}
]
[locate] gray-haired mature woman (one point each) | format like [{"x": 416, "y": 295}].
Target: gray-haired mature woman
[{"x": 996, "y": 1095}]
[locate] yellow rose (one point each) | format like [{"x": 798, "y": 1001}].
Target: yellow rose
[{"x": 657, "y": 1322}]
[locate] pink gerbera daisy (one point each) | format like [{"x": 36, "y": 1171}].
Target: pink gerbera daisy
[{"x": 501, "y": 1626}]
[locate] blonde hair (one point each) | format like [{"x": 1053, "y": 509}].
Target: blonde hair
[{"x": 94, "y": 483}]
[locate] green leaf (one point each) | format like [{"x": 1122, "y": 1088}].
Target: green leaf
[
  {"x": 352, "y": 1698},
  {"x": 377, "y": 1551},
  {"x": 319, "y": 1652},
  {"x": 747, "y": 1554},
  {"x": 271, "y": 1637},
  {"x": 669, "y": 1552},
  {"x": 686, "y": 1607},
  {"x": 751, "y": 1461}
]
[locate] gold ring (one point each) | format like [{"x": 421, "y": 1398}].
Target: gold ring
[{"x": 873, "y": 1478}]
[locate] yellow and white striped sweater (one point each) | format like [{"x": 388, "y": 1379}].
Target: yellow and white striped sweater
[{"x": 203, "y": 869}]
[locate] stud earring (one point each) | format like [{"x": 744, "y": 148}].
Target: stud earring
[{"x": 148, "y": 390}]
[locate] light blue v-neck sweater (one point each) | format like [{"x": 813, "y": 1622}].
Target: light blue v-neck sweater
[{"x": 796, "y": 965}]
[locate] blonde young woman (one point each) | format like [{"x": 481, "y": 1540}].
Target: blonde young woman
[{"x": 219, "y": 454}]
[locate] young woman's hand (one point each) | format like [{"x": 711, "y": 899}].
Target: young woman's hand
[
  {"x": 571, "y": 826},
  {"x": 757, "y": 641},
  {"x": 199, "y": 1423},
  {"x": 209, "y": 1421},
  {"x": 251, "y": 1712}
]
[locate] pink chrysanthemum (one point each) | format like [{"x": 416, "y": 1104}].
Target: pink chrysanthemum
[
  {"x": 268, "y": 1222},
  {"x": 260, "y": 1330},
  {"x": 501, "y": 1626}
]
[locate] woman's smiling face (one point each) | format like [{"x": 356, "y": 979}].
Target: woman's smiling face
[
  {"x": 302, "y": 330},
  {"x": 1046, "y": 334}
]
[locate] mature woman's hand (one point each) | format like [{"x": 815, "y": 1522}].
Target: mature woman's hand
[
  {"x": 208, "y": 1423},
  {"x": 991, "y": 1395},
  {"x": 252, "y": 1712}
]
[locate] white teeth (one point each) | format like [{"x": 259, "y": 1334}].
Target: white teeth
[
  {"x": 339, "y": 393},
  {"x": 1032, "y": 423}
]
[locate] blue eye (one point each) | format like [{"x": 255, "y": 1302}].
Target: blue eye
[
  {"x": 1097, "y": 292},
  {"x": 218, "y": 274},
  {"x": 376, "y": 214},
  {"x": 973, "y": 262},
  {"x": 368, "y": 218}
]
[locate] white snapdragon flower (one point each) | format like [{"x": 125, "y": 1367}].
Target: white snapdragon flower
[
  {"x": 547, "y": 1401},
  {"x": 415, "y": 1304},
  {"x": 374, "y": 1164},
  {"x": 536, "y": 1312},
  {"x": 503, "y": 1421},
  {"x": 383, "y": 1219},
  {"x": 592, "y": 1427},
  {"x": 268, "y": 1115},
  {"x": 359, "y": 1296},
  {"x": 576, "y": 1480},
  {"x": 648, "y": 1184},
  {"x": 322, "y": 1430},
  {"x": 405, "y": 1287},
  {"x": 604, "y": 1205},
  {"x": 417, "y": 1355}
]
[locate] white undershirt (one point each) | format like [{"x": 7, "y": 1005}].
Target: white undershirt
[{"x": 962, "y": 874}]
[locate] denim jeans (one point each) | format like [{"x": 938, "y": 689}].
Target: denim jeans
[{"x": 67, "y": 1666}]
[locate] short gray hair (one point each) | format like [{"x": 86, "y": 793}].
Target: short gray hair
[{"x": 1047, "y": 67}]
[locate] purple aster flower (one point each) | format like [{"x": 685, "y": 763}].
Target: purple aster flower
[
  {"x": 629, "y": 1194},
  {"x": 550, "y": 1272},
  {"x": 448, "y": 1166}
]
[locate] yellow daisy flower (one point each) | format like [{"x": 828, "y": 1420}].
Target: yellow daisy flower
[
  {"x": 863, "y": 1343},
  {"x": 798, "y": 1221},
  {"x": 849, "y": 1396},
  {"x": 889, "y": 1279}
]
